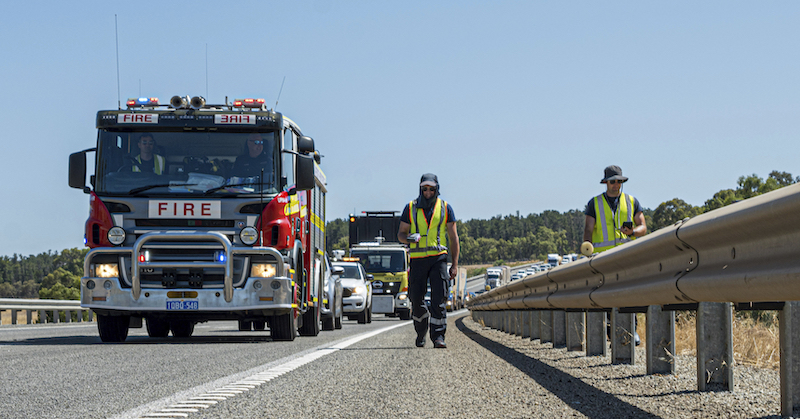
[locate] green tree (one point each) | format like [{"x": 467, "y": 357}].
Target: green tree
[{"x": 670, "y": 212}]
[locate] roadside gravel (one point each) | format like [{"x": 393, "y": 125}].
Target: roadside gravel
[{"x": 485, "y": 373}]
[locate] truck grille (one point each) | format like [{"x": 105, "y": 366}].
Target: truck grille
[{"x": 164, "y": 252}]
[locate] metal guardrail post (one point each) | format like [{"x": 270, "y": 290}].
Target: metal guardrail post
[
  {"x": 714, "y": 346},
  {"x": 29, "y": 315},
  {"x": 518, "y": 323},
  {"x": 42, "y": 316},
  {"x": 535, "y": 324},
  {"x": 622, "y": 342},
  {"x": 545, "y": 326},
  {"x": 559, "y": 325},
  {"x": 13, "y": 316},
  {"x": 789, "y": 320},
  {"x": 56, "y": 318},
  {"x": 526, "y": 323},
  {"x": 68, "y": 316},
  {"x": 576, "y": 330},
  {"x": 660, "y": 342},
  {"x": 596, "y": 335}
]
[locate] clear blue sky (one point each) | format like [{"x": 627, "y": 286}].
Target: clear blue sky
[{"x": 515, "y": 105}]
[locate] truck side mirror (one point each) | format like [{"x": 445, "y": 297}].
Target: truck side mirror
[
  {"x": 305, "y": 145},
  {"x": 77, "y": 170},
  {"x": 304, "y": 176}
]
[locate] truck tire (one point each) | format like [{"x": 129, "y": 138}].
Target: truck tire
[
  {"x": 363, "y": 316},
  {"x": 157, "y": 328},
  {"x": 181, "y": 328},
  {"x": 113, "y": 328},
  {"x": 369, "y": 314},
  {"x": 328, "y": 323},
  {"x": 311, "y": 318},
  {"x": 405, "y": 315},
  {"x": 259, "y": 325},
  {"x": 282, "y": 327},
  {"x": 337, "y": 318}
]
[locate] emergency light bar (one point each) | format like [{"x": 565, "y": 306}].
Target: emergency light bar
[
  {"x": 248, "y": 103},
  {"x": 142, "y": 101}
]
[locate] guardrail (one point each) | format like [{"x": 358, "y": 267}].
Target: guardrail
[
  {"x": 743, "y": 256},
  {"x": 43, "y": 306}
]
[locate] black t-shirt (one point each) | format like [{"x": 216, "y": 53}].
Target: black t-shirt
[
  {"x": 246, "y": 166},
  {"x": 451, "y": 216},
  {"x": 612, "y": 202}
]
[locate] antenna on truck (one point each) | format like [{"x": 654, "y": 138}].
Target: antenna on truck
[
  {"x": 116, "y": 36},
  {"x": 279, "y": 94}
]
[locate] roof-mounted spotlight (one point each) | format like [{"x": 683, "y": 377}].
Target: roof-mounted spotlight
[
  {"x": 178, "y": 102},
  {"x": 197, "y": 102}
]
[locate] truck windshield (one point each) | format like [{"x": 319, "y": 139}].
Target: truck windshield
[
  {"x": 169, "y": 163},
  {"x": 381, "y": 261}
]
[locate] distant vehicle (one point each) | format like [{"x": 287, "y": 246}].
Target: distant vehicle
[
  {"x": 542, "y": 267},
  {"x": 553, "y": 260},
  {"x": 532, "y": 270},
  {"x": 356, "y": 292},
  {"x": 331, "y": 309},
  {"x": 497, "y": 277}
]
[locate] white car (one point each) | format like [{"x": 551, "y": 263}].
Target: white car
[
  {"x": 331, "y": 310},
  {"x": 356, "y": 291}
]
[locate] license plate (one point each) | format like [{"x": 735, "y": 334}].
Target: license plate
[{"x": 183, "y": 305}]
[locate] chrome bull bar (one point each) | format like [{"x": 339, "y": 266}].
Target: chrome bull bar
[{"x": 191, "y": 236}]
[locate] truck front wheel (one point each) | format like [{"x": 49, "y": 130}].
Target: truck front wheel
[
  {"x": 113, "y": 328},
  {"x": 282, "y": 327},
  {"x": 405, "y": 315}
]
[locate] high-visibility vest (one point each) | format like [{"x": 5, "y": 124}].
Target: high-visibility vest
[
  {"x": 608, "y": 224},
  {"x": 158, "y": 166},
  {"x": 431, "y": 242}
]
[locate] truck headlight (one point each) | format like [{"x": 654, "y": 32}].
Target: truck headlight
[
  {"x": 116, "y": 235},
  {"x": 358, "y": 289},
  {"x": 262, "y": 270},
  {"x": 106, "y": 270},
  {"x": 248, "y": 235},
  {"x": 402, "y": 296}
]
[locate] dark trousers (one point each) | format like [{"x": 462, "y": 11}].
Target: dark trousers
[{"x": 430, "y": 271}]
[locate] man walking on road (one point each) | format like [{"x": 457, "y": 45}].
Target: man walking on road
[{"x": 425, "y": 225}]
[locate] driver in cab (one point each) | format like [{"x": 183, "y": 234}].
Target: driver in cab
[
  {"x": 250, "y": 163},
  {"x": 147, "y": 161}
]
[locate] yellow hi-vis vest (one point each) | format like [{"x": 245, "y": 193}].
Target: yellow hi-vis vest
[
  {"x": 607, "y": 226},
  {"x": 158, "y": 166},
  {"x": 431, "y": 242}
]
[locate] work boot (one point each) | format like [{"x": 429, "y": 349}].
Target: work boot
[
  {"x": 420, "y": 340},
  {"x": 439, "y": 343}
]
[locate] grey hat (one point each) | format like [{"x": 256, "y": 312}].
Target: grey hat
[
  {"x": 429, "y": 179},
  {"x": 612, "y": 173}
]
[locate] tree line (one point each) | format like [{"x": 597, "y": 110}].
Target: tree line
[{"x": 56, "y": 275}]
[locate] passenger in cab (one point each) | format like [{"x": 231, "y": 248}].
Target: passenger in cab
[
  {"x": 147, "y": 161},
  {"x": 258, "y": 156}
]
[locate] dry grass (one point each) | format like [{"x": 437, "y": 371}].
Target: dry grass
[
  {"x": 755, "y": 341},
  {"x": 5, "y": 317}
]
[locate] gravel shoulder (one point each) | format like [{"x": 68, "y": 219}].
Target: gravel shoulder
[{"x": 485, "y": 373}]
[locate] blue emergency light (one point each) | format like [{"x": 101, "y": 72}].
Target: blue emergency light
[{"x": 142, "y": 101}]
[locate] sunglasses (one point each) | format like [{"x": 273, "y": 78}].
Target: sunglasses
[
  {"x": 615, "y": 181},
  {"x": 428, "y": 188}
]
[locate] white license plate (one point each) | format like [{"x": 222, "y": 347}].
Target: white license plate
[{"x": 183, "y": 305}]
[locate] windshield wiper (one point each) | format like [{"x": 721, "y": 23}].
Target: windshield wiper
[
  {"x": 212, "y": 190},
  {"x": 141, "y": 189}
]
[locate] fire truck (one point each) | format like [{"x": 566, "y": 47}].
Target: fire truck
[
  {"x": 373, "y": 241},
  {"x": 202, "y": 212}
]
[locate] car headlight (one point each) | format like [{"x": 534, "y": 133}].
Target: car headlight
[
  {"x": 248, "y": 235},
  {"x": 263, "y": 270},
  {"x": 107, "y": 270},
  {"x": 116, "y": 235},
  {"x": 358, "y": 289},
  {"x": 402, "y": 296}
]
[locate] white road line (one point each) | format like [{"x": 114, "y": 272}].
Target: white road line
[{"x": 230, "y": 386}]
